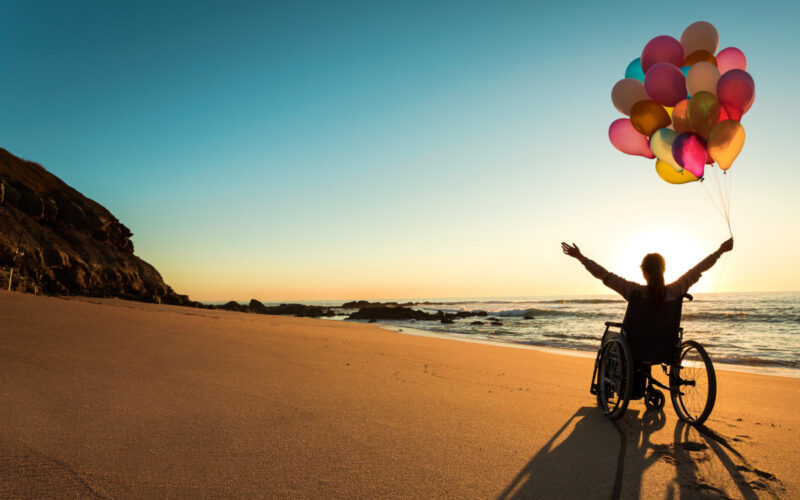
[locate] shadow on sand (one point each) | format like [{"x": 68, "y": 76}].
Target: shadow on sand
[{"x": 591, "y": 456}]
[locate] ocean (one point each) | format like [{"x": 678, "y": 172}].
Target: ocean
[{"x": 737, "y": 329}]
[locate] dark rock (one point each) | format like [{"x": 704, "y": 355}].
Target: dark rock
[
  {"x": 481, "y": 313},
  {"x": 446, "y": 320},
  {"x": 234, "y": 306},
  {"x": 49, "y": 211},
  {"x": 467, "y": 314},
  {"x": 31, "y": 204},
  {"x": 359, "y": 304},
  {"x": 256, "y": 307},
  {"x": 477, "y": 323},
  {"x": 373, "y": 320},
  {"x": 491, "y": 318},
  {"x": 528, "y": 316},
  {"x": 71, "y": 244},
  {"x": 70, "y": 213},
  {"x": 497, "y": 323},
  {"x": 387, "y": 312},
  {"x": 9, "y": 195},
  {"x": 301, "y": 310}
]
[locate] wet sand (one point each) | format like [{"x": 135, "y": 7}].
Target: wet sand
[{"x": 116, "y": 399}]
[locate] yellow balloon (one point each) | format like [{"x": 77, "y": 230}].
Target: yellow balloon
[
  {"x": 666, "y": 172},
  {"x": 725, "y": 141},
  {"x": 661, "y": 146},
  {"x": 669, "y": 111}
]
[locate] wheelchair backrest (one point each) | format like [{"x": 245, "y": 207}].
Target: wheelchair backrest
[{"x": 652, "y": 330}]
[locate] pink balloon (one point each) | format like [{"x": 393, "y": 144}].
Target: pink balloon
[
  {"x": 736, "y": 92},
  {"x": 731, "y": 58},
  {"x": 665, "y": 84},
  {"x": 689, "y": 151},
  {"x": 662, "y": 49},
  {"x": 628, "y": 140}
]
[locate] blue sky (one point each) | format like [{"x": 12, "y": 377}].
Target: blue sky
[{"x": 302, "y": 150}]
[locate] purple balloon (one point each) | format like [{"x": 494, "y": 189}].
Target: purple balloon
[
  {"x": 628, "y": 140},
  {"x": 665, "y": 84},
  {"x": 689, "y": 151},
  {"x": 736, "y": 92},
  {"x": 662, "y": 49}
]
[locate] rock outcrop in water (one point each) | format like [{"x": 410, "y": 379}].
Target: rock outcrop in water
[
  {"x": 300, "y": 310},
  {"x": 59, "y": 241},
  {"x": 376, "y": 311}
]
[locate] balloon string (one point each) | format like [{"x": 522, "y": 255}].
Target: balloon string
[
  {"x": 725, "y": 201},
  {"x": 725, "y": 198},
  {"x": 711, "y": 199},
  {"x": 729, "y": 182},
  {"x": 719, "y": 191}
]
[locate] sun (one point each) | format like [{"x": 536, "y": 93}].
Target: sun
[{"x": 680, "y": 252}]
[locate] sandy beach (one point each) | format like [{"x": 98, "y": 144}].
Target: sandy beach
[{"x": 104, "y": 398}]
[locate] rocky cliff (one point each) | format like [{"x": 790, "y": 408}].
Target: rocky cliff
[{"x": 59, "y": 241}]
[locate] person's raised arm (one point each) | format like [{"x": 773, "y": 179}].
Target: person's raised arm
[
  {"x": 693, "y": 275},
  {"x": 609, "y": 279}
]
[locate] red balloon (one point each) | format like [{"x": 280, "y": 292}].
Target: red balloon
[
  {"x": 730, "y": 58},
  {"x": 736, "y": 92},
  {"x": 625, "y": 138},
  {"x": 665, "y": 84},
  {"x": 689, "y": 151},
  {"x": 662, "y": 49}
]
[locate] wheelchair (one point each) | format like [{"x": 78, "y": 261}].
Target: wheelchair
[{"x": 647, "y": 337}]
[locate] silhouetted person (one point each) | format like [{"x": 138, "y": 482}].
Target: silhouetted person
[{"x": 653, "y": 271}]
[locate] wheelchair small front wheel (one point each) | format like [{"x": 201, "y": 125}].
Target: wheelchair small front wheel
[
  {"x": 654, "y": 399},
  {"x": 693, "y": 384},
  {"x": 615, "y": 378}
]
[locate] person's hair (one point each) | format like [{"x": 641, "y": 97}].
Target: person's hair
[{"x": 653, "y": 264}]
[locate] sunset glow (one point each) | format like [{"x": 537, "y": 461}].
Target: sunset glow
[{"x": 372, "y": 151}]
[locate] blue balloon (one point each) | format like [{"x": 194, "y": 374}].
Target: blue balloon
[
  {"x": 635, "y": 70},
  {"x": 685, "y": 71}
]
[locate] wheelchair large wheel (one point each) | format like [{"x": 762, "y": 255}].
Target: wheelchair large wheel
[
  {"x": 693, "y": 384},
  {"x": 614, "y": 378}
]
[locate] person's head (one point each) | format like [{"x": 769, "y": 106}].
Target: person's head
[
  {"x": 653, "y": 266},
  {"x": 653, "y": 271}
]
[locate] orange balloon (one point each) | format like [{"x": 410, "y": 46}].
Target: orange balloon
[
  {"x": 648, "y": 116},
  {"x": 725, "y": 142},
  {"x": 699, "y": 56},
  {"x": 680, "y": 117}
]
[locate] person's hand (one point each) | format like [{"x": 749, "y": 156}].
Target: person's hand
[
  {"x": 572, "y": 251},
  {"x": 727, "y": 246}
]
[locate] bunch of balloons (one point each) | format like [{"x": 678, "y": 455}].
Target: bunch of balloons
[{"x": 684, "y": 102}]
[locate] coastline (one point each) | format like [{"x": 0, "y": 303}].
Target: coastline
[
  {"x": 110, "y": 398},
  {"x": 742, "y": 368}
]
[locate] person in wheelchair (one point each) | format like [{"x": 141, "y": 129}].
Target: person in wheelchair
[{"x": 650, "y": 334}]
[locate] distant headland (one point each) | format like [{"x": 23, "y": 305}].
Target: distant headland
[{"x": 56, "y": 241}]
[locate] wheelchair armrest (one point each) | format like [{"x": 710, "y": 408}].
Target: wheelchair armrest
[
  {"x": 615, "y": 325},
  {"x": 687, "y": 296}
]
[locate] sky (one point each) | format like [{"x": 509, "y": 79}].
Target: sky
[{"x": 375, "y": 150}]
